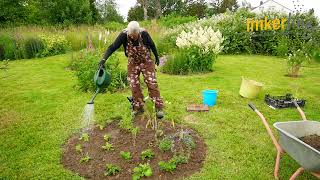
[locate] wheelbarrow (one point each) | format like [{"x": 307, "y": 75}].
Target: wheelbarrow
[{"x": 289, "y": 142}]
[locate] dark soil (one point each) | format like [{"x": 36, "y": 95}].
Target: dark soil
[
  {"x": 312, "y": 140},
  {"x": 122, "y": 140}
]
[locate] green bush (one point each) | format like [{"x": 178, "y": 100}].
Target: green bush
[
  {"x": 282, "y": 47},
  {"x": 33, "y": 47},
  {"x": 316, "y": 55},
  {"x": 190, "y": 60},
  {"x": 232, "y": 25},
  {"x": 85, "y": 65},
  {"x": 54, "y": 45},
  {"x": 115, "y": 26},
  {"x": 7, "y": 47},
  {"x": 167, "y": 43},
  {"x": 173, "y": 20},
  {"x": 19, "y": 52},
  {"x": 178, "y": 64}
]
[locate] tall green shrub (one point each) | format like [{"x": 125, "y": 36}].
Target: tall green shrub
[
  {"x": 54, "y": 44},
  {"x": 7, "y": 47},
  {"x": 178, "y": 64},
  {"x": 85, "y": 65},
  {"x": 33, "y": 47}
]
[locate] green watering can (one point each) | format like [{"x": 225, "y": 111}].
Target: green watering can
[{"x": 102, "y": 79}]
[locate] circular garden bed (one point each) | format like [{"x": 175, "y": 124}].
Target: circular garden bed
[{"x": 111, "y": 152}]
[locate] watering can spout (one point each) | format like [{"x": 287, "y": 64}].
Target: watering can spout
[{"x": 94, "y": 96}]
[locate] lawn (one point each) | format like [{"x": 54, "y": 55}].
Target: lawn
[{"x": 40, "y": 109}]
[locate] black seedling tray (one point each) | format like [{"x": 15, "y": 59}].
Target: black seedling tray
[{"x": 283, "y": 101}]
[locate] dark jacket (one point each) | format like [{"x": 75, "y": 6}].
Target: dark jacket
[{"x": 122, "y": 39}]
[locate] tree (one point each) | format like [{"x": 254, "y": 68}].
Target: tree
[
  {"x": 68, "y": 11},
  {"x": 144, "y": 4},
  {"x": 196, "y": 8},
  {"x": 159, "y": 10},
  {"x": 108, "y": 11},
  {"x": 94, "y": 11},
  {"x": 135, "y": 13},
  {"x": 173, "y": 6},
  {"x": 221, "y": 6},
  {"x": 13, "y": 11}
]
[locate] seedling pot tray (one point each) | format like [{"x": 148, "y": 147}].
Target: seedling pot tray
[{"x": 282, "y": 101}]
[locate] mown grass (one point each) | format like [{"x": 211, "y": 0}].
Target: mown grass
[{"x": 40, "y": 109}]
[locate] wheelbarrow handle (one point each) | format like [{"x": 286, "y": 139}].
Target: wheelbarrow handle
[
  {"x": 266, "y": 125},
  {"x": 300, "y": 110},
  {"x": 252, "y": 106}
]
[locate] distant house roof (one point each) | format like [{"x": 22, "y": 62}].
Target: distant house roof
[{"x": 264, "y": 3}]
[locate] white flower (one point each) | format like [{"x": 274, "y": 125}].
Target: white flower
[
  {"x": 205, "y": 38},
  {"x": 100, "y": 36}
]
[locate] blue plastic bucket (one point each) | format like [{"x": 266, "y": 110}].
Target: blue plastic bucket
[{"x": 210, "y": 97}]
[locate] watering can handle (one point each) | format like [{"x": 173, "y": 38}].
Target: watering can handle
[{"x": 252, "y": 106}]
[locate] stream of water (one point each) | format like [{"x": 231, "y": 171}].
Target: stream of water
[{"x": 88, "y": 116}]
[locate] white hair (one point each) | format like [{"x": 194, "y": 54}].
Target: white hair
[{"x": 133, "y": 27}]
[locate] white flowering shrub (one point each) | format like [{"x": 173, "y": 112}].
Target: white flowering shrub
[
  {"x": 206, "y": 39},
  {"x": 197, "y": 51}
]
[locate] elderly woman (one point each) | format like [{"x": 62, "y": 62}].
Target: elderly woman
[{"x": 137, "y": 44}]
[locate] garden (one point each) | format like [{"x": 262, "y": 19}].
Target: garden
[{"x": 46, "y": 80}]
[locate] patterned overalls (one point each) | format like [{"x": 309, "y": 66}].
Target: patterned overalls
[{"x": 139, "y": 61}]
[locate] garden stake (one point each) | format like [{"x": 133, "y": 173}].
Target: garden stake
[{"x": 280, "y": 150}]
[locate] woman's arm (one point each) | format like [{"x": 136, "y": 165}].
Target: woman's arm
[{"x": 115, "y": 45}]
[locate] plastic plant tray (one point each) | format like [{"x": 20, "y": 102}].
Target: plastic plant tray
[{"x": 286, "y": 101}]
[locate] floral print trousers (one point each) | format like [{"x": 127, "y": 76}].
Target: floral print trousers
[{"x": 147, "y": 69}]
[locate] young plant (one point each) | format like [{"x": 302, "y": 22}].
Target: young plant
[
  {"x": 141, "y": 171},
  {"x": 180, "y": 159},
  {"x": 85, "y": 159},
  {"x": 165, "y": 144},
  {"x": 187, "y": 139},
  {"x": 171, "y": 165},
  {"x": 101, "y": 126},
  {"x": 167, "y": 166},
  {"x": 134, "y": 132},
  {"x": 79, "y": 148},
  {"x": 112, "y": 170},
  {"x": 126, "y": 155},
  {"x": 84, "y": 137},
  {"x": 108, "y": 147},
  {"x": 295, "y": 61},
  {"x": 107, "y": 137},
  {"x": 147, "y": 154},
  {"x": 150, "y": 114}
]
